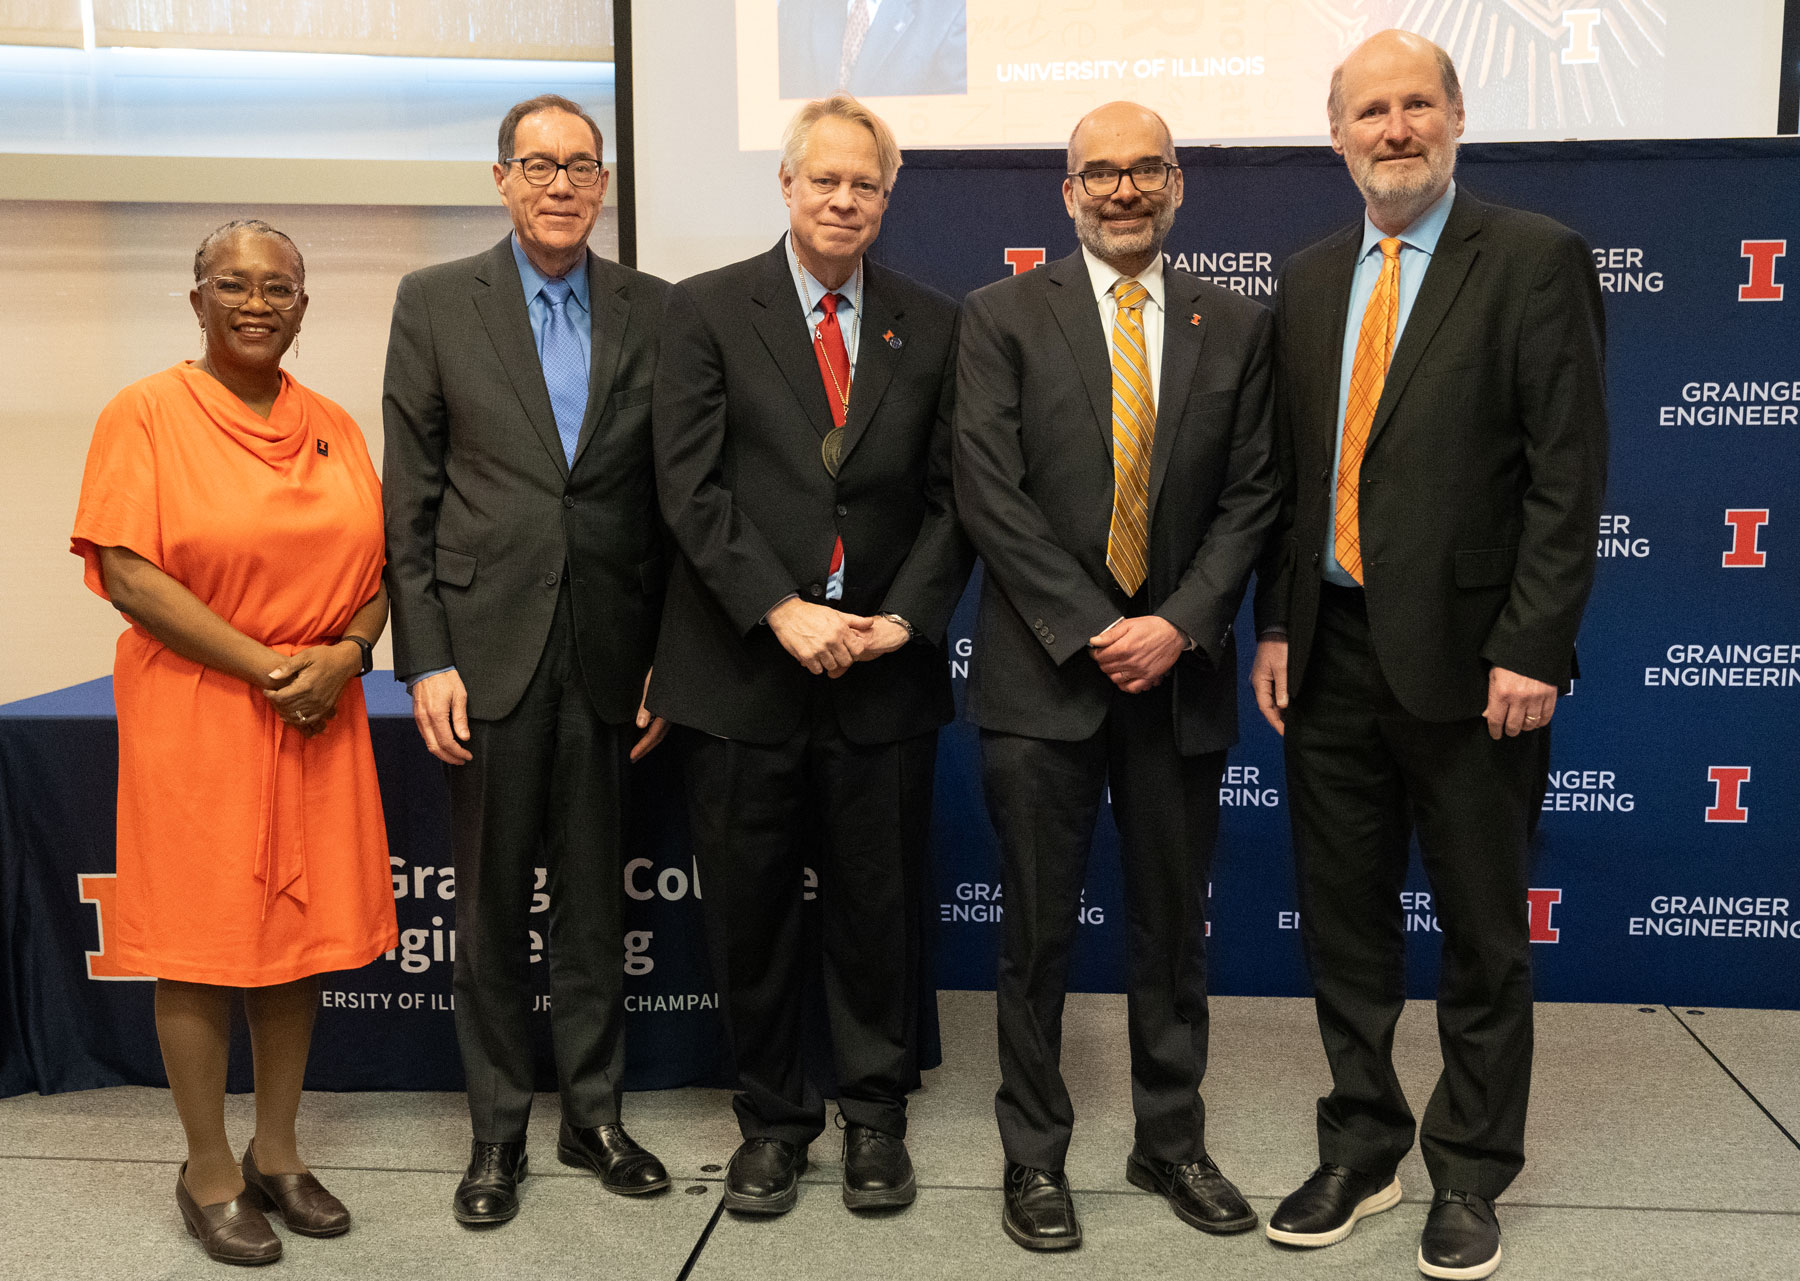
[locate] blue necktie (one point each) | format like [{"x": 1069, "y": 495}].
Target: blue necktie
[{"x": 565, "y": 372}]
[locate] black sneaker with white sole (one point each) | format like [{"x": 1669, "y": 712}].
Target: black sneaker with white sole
[
  {"x": 1461, "y": 1241},
  {"x": 1324, "y": 1209}
]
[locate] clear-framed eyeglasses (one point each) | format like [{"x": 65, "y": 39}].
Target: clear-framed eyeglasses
[
  {"x": 234, "y": 291},
  {"x": 1146, "y": 177},
  {"x": 540, "y": 171}
]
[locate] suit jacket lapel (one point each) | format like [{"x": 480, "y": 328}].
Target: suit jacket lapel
[
  {"x": 890, "y": 23},
  {"x": 1444, "y": 277},
  {"x": 876, "y": 361},
  {"x": 1180, "y": 352},
  {"x": 784, "y": 332},
  {"x": 501, "y": 306},
  {"x": 1339, "y": 272},
  {"x": 1072, "y": 303},
  {"x": 609, "y": 310}
]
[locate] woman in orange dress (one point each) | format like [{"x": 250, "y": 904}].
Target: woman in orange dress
[{"x": 234, "y": 518}]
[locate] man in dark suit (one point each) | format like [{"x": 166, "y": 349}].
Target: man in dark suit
[
  {"x": 1441, "y": 426},
  {"x": 525, "y": 567},
  {"x": 1113, "y": 468},
  {"x": 802, "y": 449},
  {"x": 873, "y": 48}
]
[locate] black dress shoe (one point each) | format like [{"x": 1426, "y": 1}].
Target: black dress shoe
[
  {"x": 1202, "y": 1197},
  {"x": 764, "y": 1176},
  {"x": 878, "y": 1174},
  {"x": 1039, "y": 1214},
  {"x": 1462, "y": 1237},
  {"x": 489, "y": 1191},
  {"x": 1324, "y": 1209},
  {"x": 614, "y": 1155}
]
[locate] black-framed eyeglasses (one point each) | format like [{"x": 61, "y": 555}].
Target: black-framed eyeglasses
[
  {"x": 540, "y": 171},
  {"x": 234, "y": 292},
  {"x": 1145, "y": 177}
]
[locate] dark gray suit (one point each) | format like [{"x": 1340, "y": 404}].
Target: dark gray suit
[
  {"x": 542, "y": 585},
  {"x": 1480, "y": 494},
  {"x": 913, "y": 47},
  {"x": 1034, "y": 488}
]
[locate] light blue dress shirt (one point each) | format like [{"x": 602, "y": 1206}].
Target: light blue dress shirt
[
  {"x": 848, "y": 321},
  {"x": 538, "y": 310},
  {"x": 1417, "y": 243}
]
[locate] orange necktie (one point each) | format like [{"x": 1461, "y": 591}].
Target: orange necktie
[
  {"x": 1374, "y": 350},
  {"x": 1133, "y": 435}
]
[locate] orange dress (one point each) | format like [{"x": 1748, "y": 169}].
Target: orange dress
[{"x": 248, "y": 855}]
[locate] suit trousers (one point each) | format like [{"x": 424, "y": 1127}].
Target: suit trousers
[
  {"x": 863, "y": 813},
  {"x": 1364, "y": 775},
  {"x": 1044, "y": 797},
  {"x": 546, "y": 787}
]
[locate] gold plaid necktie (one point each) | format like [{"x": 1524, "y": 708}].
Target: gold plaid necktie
[
  {"x": 1133, "y": 433},
  {"x": 856, "y": 30},
  {"x": 1368, "y": 374}
]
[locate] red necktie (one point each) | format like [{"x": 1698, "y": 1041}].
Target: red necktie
[
  {"x": 834, "y": 360},
  {"x": 834, "y": 368}
]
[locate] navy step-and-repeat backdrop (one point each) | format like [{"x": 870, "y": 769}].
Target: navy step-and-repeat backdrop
[{"x": 1668, "y": 868}]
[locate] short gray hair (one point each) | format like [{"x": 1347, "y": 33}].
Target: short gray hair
[
  {"x": 255, "y": 226},
  {"x": 842, "y": 107},
  {"x": 1334, "y": 99}
]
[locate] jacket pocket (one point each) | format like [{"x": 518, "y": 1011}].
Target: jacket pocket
[
  {"x": 632, "y": 396},
  {"x": 454, "y": 567},
  {"x": 652, "y": 573},
  {"x": 1489, "y": 567}
]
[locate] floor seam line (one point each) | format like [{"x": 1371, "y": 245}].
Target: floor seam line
[
  {"x": 700, "y": 1245},
  {"x": 1748, "y": 1093}
]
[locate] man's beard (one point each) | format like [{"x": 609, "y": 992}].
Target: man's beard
[
  {"x": 1408, "y": 194},
  {"x": 1107, "y": 243}
]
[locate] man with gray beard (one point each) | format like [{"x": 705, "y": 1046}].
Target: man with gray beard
[
  {"x": 1441, "y": 428},
  {"x": 1114, "y": 470}
]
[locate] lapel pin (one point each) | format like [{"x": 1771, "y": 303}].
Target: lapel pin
[
  {"x": 323, "y": 446},
  {"x": 891, "y": 340},
  {"x": 1194, "y": 319}
]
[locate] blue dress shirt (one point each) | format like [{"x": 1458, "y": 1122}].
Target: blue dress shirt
[
  {"x": 848, "y": 321},
  {"x": 538, "y": 308},
  {"x": 1417, "y": 243}
]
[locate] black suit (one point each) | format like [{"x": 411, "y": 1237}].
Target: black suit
[
  {"x": 542, "y": 585},
  {"x": 912, "y": 47},
  {"x": 1479, "y": 497},
  {"x": 773, "y": 750},
  {"x": 1034, "y": 484}
]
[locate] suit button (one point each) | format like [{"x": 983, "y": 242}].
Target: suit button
[
  {"x": 817, "y": 589},
  {"x": 1315, "y": 558},
  {"x": 567, "y": 501},
  {"x": 1324, "y": 475},
  {"x": 1049, "y": 638},
  {"x": 842, "y": 510},
  {"x": 550, "y": 578}
]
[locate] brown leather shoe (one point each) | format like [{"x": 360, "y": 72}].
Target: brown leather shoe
[
  {"x": 233, "y": 1231},
  {"x": 300, "y": 1199}
]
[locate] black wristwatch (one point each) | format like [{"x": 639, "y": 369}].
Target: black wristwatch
[{"x": 368, "y": 651}]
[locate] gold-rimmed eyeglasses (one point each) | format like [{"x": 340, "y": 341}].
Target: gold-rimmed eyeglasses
[
  {"x": 234, "y": 292},
  {"x": 1146, "y": 177}
]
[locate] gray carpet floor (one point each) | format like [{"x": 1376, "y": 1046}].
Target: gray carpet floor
[{"x": 1664, "y": 1143}]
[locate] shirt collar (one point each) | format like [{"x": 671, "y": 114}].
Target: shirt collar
[
  {"x": 533, "y": 279},
  {"x": 1103, "y": 277},
  {"x": 816, "y": 289},
  {"x": 1422, "y": 234}
]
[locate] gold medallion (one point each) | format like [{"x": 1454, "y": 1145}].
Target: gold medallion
[{"x": 831, "y": 449}]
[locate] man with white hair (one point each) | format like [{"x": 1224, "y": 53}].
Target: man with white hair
[
  {"x": 1441, "y": 427},
  {"x": 802, "y": 433}
]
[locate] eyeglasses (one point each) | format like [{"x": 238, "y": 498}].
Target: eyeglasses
[
  {"x": 1103, "y": 182},
  {"x": 234, "y": 293},
  {"x": 541, "y": 172}
]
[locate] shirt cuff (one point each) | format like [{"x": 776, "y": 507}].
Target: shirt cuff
[{"x": 436, "y": 671}]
